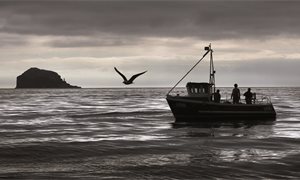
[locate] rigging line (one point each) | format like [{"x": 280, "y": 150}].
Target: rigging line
[{"x": 189, "y": 71}]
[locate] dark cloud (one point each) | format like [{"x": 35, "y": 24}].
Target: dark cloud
[{"x": 204, "y": 20}]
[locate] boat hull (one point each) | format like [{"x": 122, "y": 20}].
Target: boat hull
[{"x": 190, "y": 109}]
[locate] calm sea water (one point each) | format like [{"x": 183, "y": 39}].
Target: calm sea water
[{"x": 129, "y": 134}]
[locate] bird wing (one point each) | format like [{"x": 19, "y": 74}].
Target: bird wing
[
  {"x": 135, "y": 76},
  {"x": 125, "y": 79}
]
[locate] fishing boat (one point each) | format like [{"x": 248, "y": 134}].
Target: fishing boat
[{"x": 198, "y": 105}]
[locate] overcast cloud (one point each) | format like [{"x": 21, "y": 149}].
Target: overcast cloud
[
  {"x": 89, "y": 38},
  {"x": 204, "y": 20}
]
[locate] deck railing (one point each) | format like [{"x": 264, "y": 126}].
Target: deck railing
[{"x": 259, "y": 99}]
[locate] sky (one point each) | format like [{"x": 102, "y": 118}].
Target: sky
[{"x": 255, "y": 43}]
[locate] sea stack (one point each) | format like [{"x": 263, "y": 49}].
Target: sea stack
[{"x": 39, "y": 78}]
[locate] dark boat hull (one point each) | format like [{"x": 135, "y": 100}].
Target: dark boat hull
[{"x": 190, "y": 109}]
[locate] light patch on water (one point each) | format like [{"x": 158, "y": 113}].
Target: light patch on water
[
  {"x": 27, "y": 140},
  {"x": 288, "y": 130},
  {"x": 252, "y": 155},
  {"x": 13, "y": 130},
  {"x": 114, "y": 137},
  {"x": 38, "y": 121}
]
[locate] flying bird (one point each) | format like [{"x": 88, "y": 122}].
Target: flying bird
[{"x": 130, "y": 81}]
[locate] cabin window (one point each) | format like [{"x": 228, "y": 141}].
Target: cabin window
[{"x": 198, "y": 90}]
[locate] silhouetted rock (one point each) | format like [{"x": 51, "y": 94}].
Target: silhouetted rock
[{"x": 39, "y": 78}]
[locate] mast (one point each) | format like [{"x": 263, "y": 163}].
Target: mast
[{"x": 212, "y": 70}]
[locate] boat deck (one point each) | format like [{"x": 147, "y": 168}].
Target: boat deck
[{"x": 190, "y": 108}]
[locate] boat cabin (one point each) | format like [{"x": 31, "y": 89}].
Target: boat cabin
[{"x": 201, "y": 90}]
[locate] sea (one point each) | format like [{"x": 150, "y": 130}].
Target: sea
[{"x": 129, "y": 133}]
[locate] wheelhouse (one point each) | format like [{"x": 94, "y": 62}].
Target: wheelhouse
[{"x": 200, "y": 90}]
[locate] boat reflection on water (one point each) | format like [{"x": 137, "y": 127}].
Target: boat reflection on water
[
  {"x": 199, "y": 104},
  {"x": 253, "y": 129}
]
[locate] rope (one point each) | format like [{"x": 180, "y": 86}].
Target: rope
[{"x": 189, "y": 71}]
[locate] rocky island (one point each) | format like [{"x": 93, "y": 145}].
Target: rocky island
[{"x": 40, "y": 78}]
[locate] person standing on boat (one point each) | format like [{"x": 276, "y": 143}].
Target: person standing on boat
[
  {"x": 217, "y": 96},
  {"x": 235, "y": 95},
  {"x": 248, "y": 96}
]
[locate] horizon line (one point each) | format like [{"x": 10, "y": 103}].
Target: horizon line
[{"x": 140, "y": 87}]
